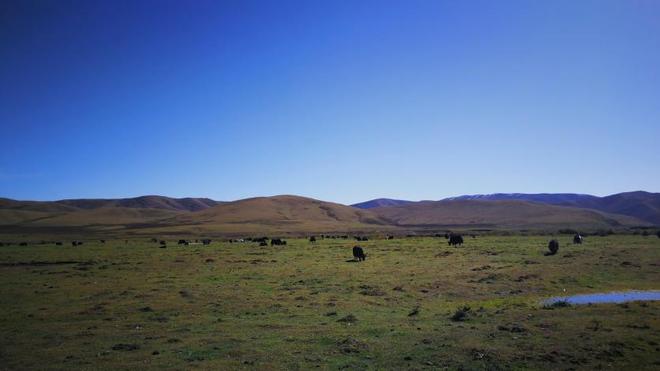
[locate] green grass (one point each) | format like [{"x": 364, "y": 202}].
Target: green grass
[{"x": 232, "y": 306}]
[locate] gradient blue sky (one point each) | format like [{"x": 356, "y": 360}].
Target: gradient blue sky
[{"x": 339, "y": 100}]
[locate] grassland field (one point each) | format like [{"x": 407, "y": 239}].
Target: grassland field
[{"x": 305, "y": 305}]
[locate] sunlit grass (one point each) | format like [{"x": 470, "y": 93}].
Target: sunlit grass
[{"x": 239, "y": 305}]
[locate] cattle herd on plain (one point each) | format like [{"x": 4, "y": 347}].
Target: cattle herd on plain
[{"x": 453, "y": 239}]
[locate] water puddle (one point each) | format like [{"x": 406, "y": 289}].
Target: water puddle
[{"x": 609, "y": 297}]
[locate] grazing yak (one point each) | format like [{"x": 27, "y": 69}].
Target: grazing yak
[
  {"x": 58, "y": 244},
  {"x": 206, "y": 241},
  {"x": 163, "y": 244},
  {"x": 553, "y": 246},
  {"x": 22, "y": 244},
  {"x": 183, "y": 242},
  {"x": 312, "y": 239},
  {"x": 277, "y": 242},
  {"x": 455, "y": 240},
  {"x": 359, "y": 254},
  {"x": 76, "y": 243},
  {"x": 577, "y": 239}
]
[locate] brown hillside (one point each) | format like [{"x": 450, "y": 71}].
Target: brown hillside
[
  {"x": 144, "y": 202},
  {"x": 280, "y": 214},
  {"x": 40, "y": 206},
  {"x": 104, "y": 216},
  {"x": 509, "y": 214}
]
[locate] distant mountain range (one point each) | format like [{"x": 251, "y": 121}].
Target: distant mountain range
[
  {"x": 381, "y": 202},
  {"x": 644, "y": 206},
  {"x": 158, "y": 215},
  {"x": 509, "y": 214}
]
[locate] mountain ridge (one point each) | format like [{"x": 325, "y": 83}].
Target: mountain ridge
[
  {"x": 638, "y": 204},
  {"x": 501, "y": 213},
  {"x": 140, "y": 202},
  {"x": 380, "y": 202},
  {"x": 285, "y": 214}
]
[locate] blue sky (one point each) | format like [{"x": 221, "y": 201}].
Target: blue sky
[{"x": 338, "y": 100}]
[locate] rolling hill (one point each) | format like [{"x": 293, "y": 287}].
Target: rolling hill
[
  {"x": 144, "y": 202},
  {"x": 300, "y": 215},
  {"x": 641, "y": 205},
  {"x": 162, "y": 215},
  {"x": 97, "y": 212},
  {"x": 493, "y": 214},
  {"x": 282, "y": 214}
]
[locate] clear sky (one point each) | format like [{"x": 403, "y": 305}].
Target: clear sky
[{"x": 338, "y": 100}]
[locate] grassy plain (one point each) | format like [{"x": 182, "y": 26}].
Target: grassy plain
[{"x": 307, "y": 305}]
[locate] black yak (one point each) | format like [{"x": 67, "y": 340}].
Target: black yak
[
  {"x": 358, "y": 253},
  {"x": 312, "y": 239},
  {"x": 260, "y": 239},
  {"x": 277, "y": 242},
  {"x": 553, "y": 246},
  {"x": 577, "y": 239},
  {"x": 206, "y": 241},
  {"x": 455, "y": 240}
]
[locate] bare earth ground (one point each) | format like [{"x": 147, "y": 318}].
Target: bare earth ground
[{"x": 304, "y": 305}]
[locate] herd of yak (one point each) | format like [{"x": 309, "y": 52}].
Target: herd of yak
[{"x": 453, "y": 239}]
